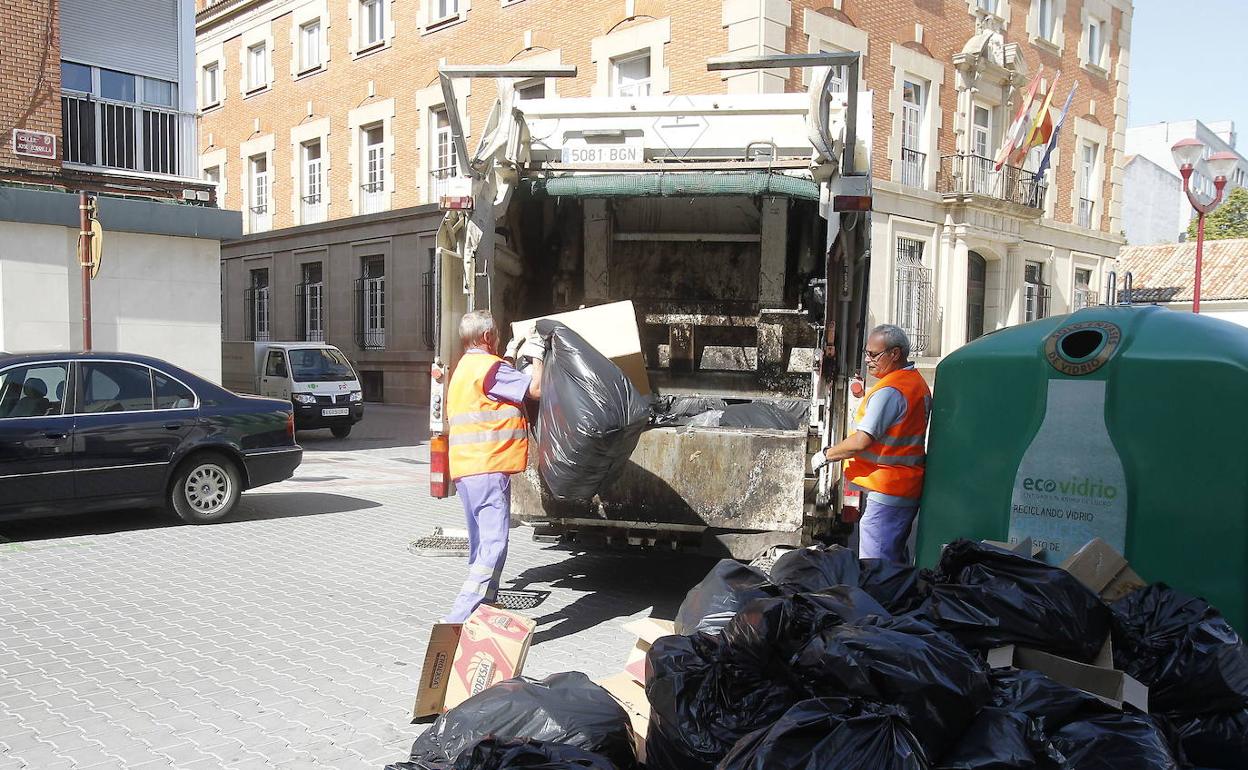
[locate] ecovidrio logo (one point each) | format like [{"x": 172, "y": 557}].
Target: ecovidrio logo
[{"x": 1084, "y": 487}]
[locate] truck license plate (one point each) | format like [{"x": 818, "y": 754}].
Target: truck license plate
[{"x": 335, "y": 412}]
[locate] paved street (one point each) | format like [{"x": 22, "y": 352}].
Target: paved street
[{"x": 290, "y": 636}]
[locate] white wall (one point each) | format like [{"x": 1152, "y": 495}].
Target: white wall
[
  {"x": 1152, "y": 203},
  {"x": 156, "y": 295}
]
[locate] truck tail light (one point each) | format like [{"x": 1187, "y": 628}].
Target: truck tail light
[
  {"x": 850, "y": 505},
  {"x": 439, "y": 465}
]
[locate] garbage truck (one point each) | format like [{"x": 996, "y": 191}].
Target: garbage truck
[{"x": 737, "y": 224}]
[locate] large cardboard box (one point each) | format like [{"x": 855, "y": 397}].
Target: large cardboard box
[
  {"x": 648, "y": 630},
  {"x": 1105, "y": 571},
  {"x": 1098, "y": 678},
  {"x": 611, "y": 329},
  {"x": 461, "y": 661},
  {"x": 631, "y": 694}
]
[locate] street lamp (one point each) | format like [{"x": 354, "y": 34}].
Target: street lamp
[{"x": 1187, "y": 153}]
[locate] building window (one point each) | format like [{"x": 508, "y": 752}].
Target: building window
[
  {"x": 260, "y": 191},
  {"x": 980, "y": 168},
  {"x": 913, "y": 159},
  {"x": 210, "y": 85},
  {"x": 1035, "y": 291},
  {"x": 976, "y": 294},
  {"x": 310, "y": 303},
  {"x": 257, "y": 67},
  {"x": 1084, "y": 294},
  {"x": 1088, "y": 163},
  {"x": 258, "y": 306},
  {"x": 532, "y": 90},
  {"x": 373, "y": 164},
  {"x": 913, "y": 293},
  {"x": 212, "y": 176},
  {"x": 630, "y": 75},
  {"x": 445, "y": 156},
  {"x": 443, "y": 10},
  {"x": 988, "y": 5},
  {"x": 372, "y": 23},
  {"x": 313, "y": 209},
  {"x": 371, "y": 301},
  {"x": 1096, "y": 42},
  {"x": 310, "y": 46},
  {"x": 838, "y": 83},
  {"x": 118, "y": 120},
  {"x": 1046, "y": 21}
]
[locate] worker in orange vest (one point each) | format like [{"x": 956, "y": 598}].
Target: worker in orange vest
[
  {"x": 886, "y": 453},
  {"x": 488, "y": 442}
]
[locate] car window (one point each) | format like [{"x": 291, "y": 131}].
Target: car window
[
  {"x": 277, "y": 365},
  {"x": 115, "y": 387},
  {"x": 171, "y": 394},
  {"x": 35, "y": 390}
]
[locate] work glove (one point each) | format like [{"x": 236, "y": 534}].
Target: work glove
[
  {"x": 534, "y": 347},
  {"x": 513, "y": 347},
  {"x": 818, "y": 460}
]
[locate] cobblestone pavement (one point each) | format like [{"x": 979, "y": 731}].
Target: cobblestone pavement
[{"x": 290, "y": 636}]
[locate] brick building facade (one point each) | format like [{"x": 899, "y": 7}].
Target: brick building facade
[
  {"x": 319, "y": 110},
  {"x": 30, "y": 78}
]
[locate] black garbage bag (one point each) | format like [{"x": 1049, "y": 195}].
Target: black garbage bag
[
  {"x": 679, "y": 410},
  {"x": 512, "y": 754},
  {"x": 831, "y": 733},
  {"x": 987, "y": 596},
  {"x": 728, "y": 587},
  {"x": 1182, "y": 648},
  {"x": 762, "y": 638},
  {"x": 1114, "y": 741},
  {"x": 562, "y": 708},
  {"x": 901, "y": 588},
  {"x": 1000, "y": 739},
  {"x": 1218, "y": 741},
  {"x": 590, "y": 416},
  {"x": 758, "y": 414},
  {"x": 1046, "y": 702},
  {"x": 901, "y": 661},
  {"x": 816, "y": 568}
]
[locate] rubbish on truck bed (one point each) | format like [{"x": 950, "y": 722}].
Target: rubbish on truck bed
[
  {"x": 589, "y": 419},
  {"x": 1099, "y": 567},
  {"x": 758, "y": 414},
  {"x": 565, "y": 709},
  {"x": 461, "y": 660}
]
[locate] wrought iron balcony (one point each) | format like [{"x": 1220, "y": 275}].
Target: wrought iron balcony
[{"x": 965, "y": 174}]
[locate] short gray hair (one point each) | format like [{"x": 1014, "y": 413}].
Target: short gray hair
[
  {"x": 475, "y": 325},
  {"x": 894, "y": 337}
]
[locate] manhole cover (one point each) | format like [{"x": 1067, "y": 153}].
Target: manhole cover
[
  {"x": 516, "y": 599},
  {"x": 443, "y": 542}
]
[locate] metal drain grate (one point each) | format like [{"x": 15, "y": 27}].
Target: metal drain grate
[
  {"x": 516, "y": 599},
  {"x": 443, "y": 542}
]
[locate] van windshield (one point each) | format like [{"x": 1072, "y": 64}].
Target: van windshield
[{"x": 319, "y": 365}]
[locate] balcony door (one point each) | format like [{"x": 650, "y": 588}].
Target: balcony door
[{"x": 976, "y": 289}]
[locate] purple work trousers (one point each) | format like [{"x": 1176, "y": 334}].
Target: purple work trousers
[
  {"x": 487, "y": 509},
  {"x": 884, "y": 529}
]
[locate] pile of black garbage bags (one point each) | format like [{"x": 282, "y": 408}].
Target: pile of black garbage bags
[{"x": 832, "y": 662}]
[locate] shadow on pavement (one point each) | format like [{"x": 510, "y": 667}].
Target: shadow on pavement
[
  {"x": 616, "y": 585},
  {"x": 252, "y": 507}
]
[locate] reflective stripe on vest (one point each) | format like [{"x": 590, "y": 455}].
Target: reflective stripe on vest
[
  {"x": 893, "y": 464},
  {"x": 486, "y": 436}
]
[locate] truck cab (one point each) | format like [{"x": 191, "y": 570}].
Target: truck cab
[
  {"x": 737, "y": 225},
  {"x": 315, "y": 377}
]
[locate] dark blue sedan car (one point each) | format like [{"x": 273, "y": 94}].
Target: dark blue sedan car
[{"x": 84, "y": 432}]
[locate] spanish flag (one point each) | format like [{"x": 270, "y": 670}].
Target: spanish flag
[{"x": 1041, "y": 127}]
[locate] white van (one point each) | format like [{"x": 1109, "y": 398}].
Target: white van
[{"x": 317, "y": 378}]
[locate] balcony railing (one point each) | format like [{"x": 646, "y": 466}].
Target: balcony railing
[
  {"x": 439, "y": 182},
  {"x": 256, "y": 302},
  {"x": 313, "y": 209},
  {"x": 914, "y": 304},
  {"x": 913, "y": 167},
  {"x": 373, "y": 198},
  {"x": 125, "y": 135},
  {"x": 310, "y": 311},
  {"x": 259, "y": 218},
  {"x": 370, "y": 313},
  {"x": 1083, "y": 297},
  {"x": 976, "y": 175},
  {"x": 1086, "y": 210}
]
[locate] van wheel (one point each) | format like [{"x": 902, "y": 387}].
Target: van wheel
[
  {"x": 205, "y": 489},
  {"x": 341, "y": 431}
]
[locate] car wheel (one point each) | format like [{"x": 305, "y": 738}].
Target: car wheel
[
  {"x": 341, "y": 431},
  {"x": 205, "y": 489}
]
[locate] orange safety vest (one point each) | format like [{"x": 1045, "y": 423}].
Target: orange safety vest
[
  {"x": 486, "y": 436},
  {"x": 893, "y": 463}
]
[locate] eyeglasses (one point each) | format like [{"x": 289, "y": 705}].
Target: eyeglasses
[{"x": 876, "y": 354}]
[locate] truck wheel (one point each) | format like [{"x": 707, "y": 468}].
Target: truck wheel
[
  {"x": 205, "y": 489},
  {"x": 341, "y": 431}
]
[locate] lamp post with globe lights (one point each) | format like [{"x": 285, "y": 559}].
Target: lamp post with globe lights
[{"x": 1188, "y": 154}]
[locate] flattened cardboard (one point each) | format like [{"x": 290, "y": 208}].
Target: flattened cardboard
[
  {"x": 1023, "y": 547},
  {"x": 648, "y": 630},
  {"x": 1105, "y": 571},
  {"x": 611, "y": 329},
  {"x": 462, "y": 660},
  {"x": 632, "y": 696},
  {"x": 1110, "y": 686}
]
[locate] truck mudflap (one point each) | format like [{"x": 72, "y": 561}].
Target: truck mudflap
[{"x": 722, "y": 491}]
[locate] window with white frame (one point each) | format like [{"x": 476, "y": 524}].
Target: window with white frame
[
  {"x": 257, "y": 297},
  {"x": 838, "y": 82},
  {"x": 1096, "y": 41},
  {"x": 443, "y": 9},
  {"x": 913, "y": 108},
  {"x": 121, "y": 120},
  {"x": 445, "y": 158},
  {"x": 212, "y": 175},
  {"x": 372, "y": 23},
  {"x": 913, "y": 291},
  {"x": 981, "y": 131},
  {"x": 980, "y": 166},
  {"x": 257, "y": 66},
  {"x": 372, "y": 318},
  {"x": 1084, "y": 295},
  {"x": 988, "y": 5},
  {"x": 313, "y": 204},
  {"x": 534, "y": 89},
  {"x": 210, "y": 85},
  {"x": 630, "y": 75},
  {"x": 1089, "y": 158},
  {"x": 260, "y": 192},
  {"x": 1046, "y": 19},
  {"x": 310, "y": 297},
  {"x": 1035, "y": 292},
  {"x": 373, "y": 168},
  {"x": 310, "y": 46}
]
